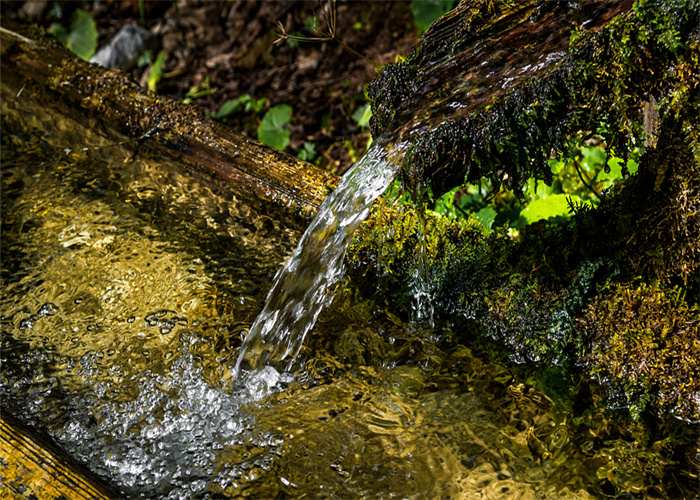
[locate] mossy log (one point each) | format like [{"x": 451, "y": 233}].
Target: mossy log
[
  {"x": 36, "y": 66},
  {"x": 505, "y": 85},
  {"x": 33, "y": 467}
]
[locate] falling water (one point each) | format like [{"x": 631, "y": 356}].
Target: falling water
[{"x": 302, "y": 288}]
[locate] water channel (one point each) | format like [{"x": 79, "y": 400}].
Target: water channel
[{"x": 127, "y": 288}]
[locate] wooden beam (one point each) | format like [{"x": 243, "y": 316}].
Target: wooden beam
[{"x": 33, "y": 467}]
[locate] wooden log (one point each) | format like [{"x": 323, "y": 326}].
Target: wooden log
[
  {"x": 35, "y": 65},
  {"x": 33, "y": 467}
]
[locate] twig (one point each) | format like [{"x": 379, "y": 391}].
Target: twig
[{"x": 330, "y": 35}]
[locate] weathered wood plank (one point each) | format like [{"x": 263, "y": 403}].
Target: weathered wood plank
[{"x": 31, "y": 467}]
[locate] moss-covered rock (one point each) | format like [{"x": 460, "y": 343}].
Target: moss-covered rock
[{"x": 538, "y": 295}]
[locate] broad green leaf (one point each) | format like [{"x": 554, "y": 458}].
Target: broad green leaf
[
  {"x": 593, "y": 158},
  {"x": 615, "y": 165},
  {"x": 277, "y": 116},
  {"x": 556, "y": 166},
  {"x": 276, "y": 138},
  {"x": 82, "y": 37},
  {"x": 537, "y": 188},
  {"x": 271, "y": 131},
  {"x": 486, "y": 216},
  {"x": 551, "y": 206}
]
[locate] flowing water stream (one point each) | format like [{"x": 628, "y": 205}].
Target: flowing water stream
[
  {"x": 303, "y": 287},
  {"x": 127, "y": 286}
]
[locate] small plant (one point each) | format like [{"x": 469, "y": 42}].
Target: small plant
[
  {"x": 362, "y": 115},
  {"x": 82, "y": 37},
  {"x": 271, "y": 130},
  {"x": 156, "y": 72},
  {"x": 312, "y": 25},
  {"x": 581, "y": 178},
  {"x": 308, "y": 152},
  {"x": 244, "y": 103},
  {"x": 200, "y": 90},
  {"x": 145, "y": 59}
]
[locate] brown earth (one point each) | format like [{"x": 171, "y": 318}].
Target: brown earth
[{"x": 233, "y": 48}]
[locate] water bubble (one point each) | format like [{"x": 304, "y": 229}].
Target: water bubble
[
  {"x": 27, "y": 323},
  {"x": 47, "y": 309}
]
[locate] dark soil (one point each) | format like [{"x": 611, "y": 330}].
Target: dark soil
[{"x": 235, "y": 45}]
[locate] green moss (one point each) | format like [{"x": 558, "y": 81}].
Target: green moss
[
  {"x": 645, "y": 340},
  {"x": 392, "y": 233}
]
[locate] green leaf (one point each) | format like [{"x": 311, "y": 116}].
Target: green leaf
[
  {"x": 538, "y": 189},
  {"x": 486, "y": 216},
  {"x": 425, "y": 12},
  {"x": 61, "y": 33},
  {"x": 556, "y": 165},
  {"x": 145, "y": 58},
  {"x": 235, "y": 105},
  {"x": 615, "y": 173},
  {"x": 308, "y": 153},
  {"x": 255, "y": 105},
  {"x": 82, "y": 37},
  {"x": 271, "y": 131},
  {"x": 593, "y": 158},
  {"x": 227, "y": 108},
  {"x": 156, "y": 72},
  {"x": 551, "y": 206},
  {"x": 362, "y": 115}
]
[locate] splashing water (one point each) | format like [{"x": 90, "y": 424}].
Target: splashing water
[{"x": 302, "y": 287}]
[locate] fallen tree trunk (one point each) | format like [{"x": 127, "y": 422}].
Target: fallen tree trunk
[{"x": 33, "y": 66}]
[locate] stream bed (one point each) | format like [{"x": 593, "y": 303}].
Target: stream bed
[{"x": 127, "y": 288}]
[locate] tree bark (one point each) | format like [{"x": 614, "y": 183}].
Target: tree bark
[{"x": 34, "y": 66}]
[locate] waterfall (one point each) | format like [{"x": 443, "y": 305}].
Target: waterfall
[{"x": 303, "y": 287}]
